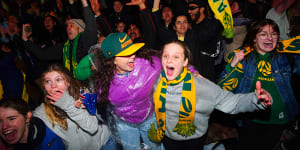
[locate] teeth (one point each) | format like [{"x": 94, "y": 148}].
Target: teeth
[{"x": 8, "y": 132}]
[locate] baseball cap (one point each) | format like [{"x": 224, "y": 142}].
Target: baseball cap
[{"x": 119, "y": 44}]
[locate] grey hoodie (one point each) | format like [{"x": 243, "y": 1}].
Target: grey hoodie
[
  {"x": 209, "y": 96},
  {"x": 84, "y": 131}
]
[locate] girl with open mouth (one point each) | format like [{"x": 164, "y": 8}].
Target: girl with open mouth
[{"x": 183, "y": 102}]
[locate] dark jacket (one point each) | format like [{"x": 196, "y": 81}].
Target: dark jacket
[{"x": 40, "y": 137}]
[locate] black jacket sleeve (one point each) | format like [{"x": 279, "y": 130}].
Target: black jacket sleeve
[
  {"x": 104, "y": 25},
  {"x": 149, "y": 28},
  {"x": 88, "y": 36}
]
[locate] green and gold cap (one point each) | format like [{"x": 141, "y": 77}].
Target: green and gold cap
[{"x": 119, "y": 44}]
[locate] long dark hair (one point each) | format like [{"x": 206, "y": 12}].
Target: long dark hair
[{"x": 105, "y": 73}]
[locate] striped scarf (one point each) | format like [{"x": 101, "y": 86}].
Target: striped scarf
[
  {"x": 222, "y": 12},
  {"x": 66, "y": 54},
  {"x": 185, "y": 125}
]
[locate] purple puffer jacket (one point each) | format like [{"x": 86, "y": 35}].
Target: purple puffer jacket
[{"x": 131, "y": 96}]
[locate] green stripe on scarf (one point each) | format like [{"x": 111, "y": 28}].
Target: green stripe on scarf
[
  {"x": 185, "y": 125},
  {"x": 66, "y": 54}
]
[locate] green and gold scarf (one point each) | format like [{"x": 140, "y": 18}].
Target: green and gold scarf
[
  {"x": 185, "y": 125},
  {"x": 66, "y": 54}
]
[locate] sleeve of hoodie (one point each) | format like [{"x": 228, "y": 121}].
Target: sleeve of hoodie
[
  {"x": 149, "y": 29},
  {"x": 89, "y": 35},
  {"x": 85, "y": 121}
]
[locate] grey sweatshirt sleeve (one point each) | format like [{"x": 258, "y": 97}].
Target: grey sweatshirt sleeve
[
  {"x": 86, "y": 121},
  {"x": 236, "y": 103}
]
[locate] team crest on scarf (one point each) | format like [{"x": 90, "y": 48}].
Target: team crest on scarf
[{"x": 222, "y": 11}]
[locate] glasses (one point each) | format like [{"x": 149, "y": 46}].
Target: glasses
[
  {"x": 193, "y": 7},
  {"x": 264, "y": 36}
]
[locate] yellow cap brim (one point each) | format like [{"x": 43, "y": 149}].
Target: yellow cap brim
[{"x": 131, "y": 50}]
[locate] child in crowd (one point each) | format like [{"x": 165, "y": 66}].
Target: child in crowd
[
  {"x": 183, "y": 103},
  {"x": 77, "y": 128},
  {"x": 124, "y": 81},
  {"x": 22, "y": 131}
]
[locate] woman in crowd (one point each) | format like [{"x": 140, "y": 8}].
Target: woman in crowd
[
  {"x": 263, "y": 60},
  {"x": 20, "y": 130},
  {"x": 77, "y": 128},
  {"x": 183, "y": 103},
  {"x": 124, "y": 80}
]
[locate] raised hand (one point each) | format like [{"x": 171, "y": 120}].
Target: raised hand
[
  {"x": 79, "y": 104},
  {"x": 238, "y": 56},
  {"x": 140, "y": 3},
  {"x": 55, "y": 95},
  {"x": 26, "y": 34},
  {"x": 95, "y": 7},
  {"x": 84, "y": 3},
  {"x": 263, "y": 95}
]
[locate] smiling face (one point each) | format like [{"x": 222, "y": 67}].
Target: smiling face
[
  {"x": 181, "y": 25},
  {"x": 173, "y": 60},
  {"x": 124, "y": 63},
  {"x": 118, "y": 6},
  {"x": 13, "y": 126},
  {"x": 194, "y": 11},
  {"x": 54, "y": 81},
  {"x": 133, "y": 31},
  {"x": 266, "y": 40},
  {"x": 120, "y": 27}
]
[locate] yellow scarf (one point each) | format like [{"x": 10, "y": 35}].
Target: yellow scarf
[
  {"x": 185, "y": 126},
  {"x": 222, "y": 11}
]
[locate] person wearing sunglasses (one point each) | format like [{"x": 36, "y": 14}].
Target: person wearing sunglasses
[{"x": 208, "y": 30}]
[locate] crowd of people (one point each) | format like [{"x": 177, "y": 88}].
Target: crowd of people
[{"x": 149, "y": 74}]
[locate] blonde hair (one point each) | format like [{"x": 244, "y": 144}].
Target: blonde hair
[{"x": 53, "y": 113}]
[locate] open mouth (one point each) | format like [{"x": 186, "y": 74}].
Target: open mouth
[
  {"x": 130, "y": 64},
  {"x": 170, "y": 70},
  {"x": 268, "y": 44},
  {"x": 10, "y": 135}
]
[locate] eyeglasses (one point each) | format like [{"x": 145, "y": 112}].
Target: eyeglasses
[
  {"x": 193, "y": 7},
  {"x": 264, "y": 36}
]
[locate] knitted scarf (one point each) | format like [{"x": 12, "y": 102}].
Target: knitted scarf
[
  {"x": 185, "y": 126},
  {"x": 66, "y": 54}
]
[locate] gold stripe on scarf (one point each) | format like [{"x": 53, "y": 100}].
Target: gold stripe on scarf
[{"x": 185, "y": 126}]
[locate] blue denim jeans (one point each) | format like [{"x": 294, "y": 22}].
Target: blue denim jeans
[
  {"x": 109, "y": 145},
  {"x": 131, "y": 135}
]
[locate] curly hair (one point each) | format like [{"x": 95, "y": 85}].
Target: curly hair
[
  {"x": 105, "y": 73},
  {"x": 55, "y": 114}
]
